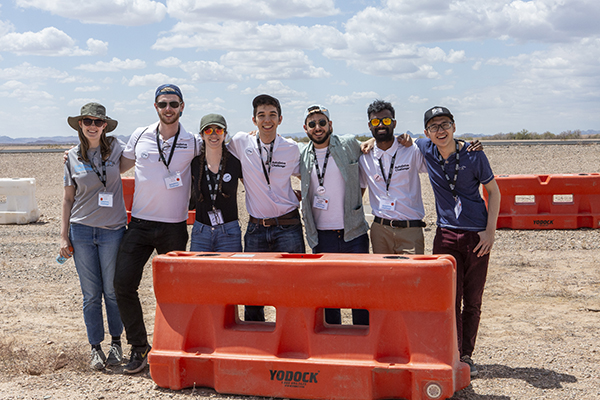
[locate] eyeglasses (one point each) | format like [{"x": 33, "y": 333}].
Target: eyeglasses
[
  {"x": 89, "y": 122},
  {"x": 322, "y": 122},
  {"x": 218, "y": 131},
  {"x": 163, "y": 104},
  {"x": 435, "y": 128},
  {"x": 387, "y": 121}
]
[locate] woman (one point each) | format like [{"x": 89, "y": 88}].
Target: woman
[
  {"x": 93, "y": 223},
  {"x": 215, "y": 174}
]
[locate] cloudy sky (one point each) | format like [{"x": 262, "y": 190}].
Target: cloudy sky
[{"x": 500, "y": 66}]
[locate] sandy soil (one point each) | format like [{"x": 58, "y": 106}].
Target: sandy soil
[{"x": 539, "y": 335}]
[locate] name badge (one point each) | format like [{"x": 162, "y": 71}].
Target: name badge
[
  {"x": 173, "y": 181},
  {"x": 320, "y": 203},
  {"x": 105, "y": 199},
  {"x": 457, "y": 207},
  {"x": 216, "y": 217},
  {"x": 387, "y": 204}
]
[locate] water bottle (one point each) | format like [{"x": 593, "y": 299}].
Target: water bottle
[{"x": 61, "y": 260}]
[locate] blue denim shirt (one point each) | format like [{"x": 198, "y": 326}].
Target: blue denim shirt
[{"x": 345, "y": 150}]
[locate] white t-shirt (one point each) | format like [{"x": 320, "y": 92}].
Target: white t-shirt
[
  {"x": 152, "y": 200},
  {"x": 404, "y": 201},
  {"x": 264, "y": 200},
  {"x": 335, "y": 189}
]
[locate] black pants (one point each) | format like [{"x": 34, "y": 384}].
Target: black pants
[{"x": 140, "y": 240}]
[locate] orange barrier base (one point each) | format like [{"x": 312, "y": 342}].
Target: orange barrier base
[
  {"x": 408, "y": 351},
  {"x": 561, "y": 201}
]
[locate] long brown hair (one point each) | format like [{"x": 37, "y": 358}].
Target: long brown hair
[{"x": 105, "y": 145}]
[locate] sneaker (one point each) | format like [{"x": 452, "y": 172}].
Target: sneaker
[
  {"x": 98, "y": 360},
  {"x": 115, "y": 355},
  {"x": 469, "y": 361},
  {"x": 137, "y": 361}
]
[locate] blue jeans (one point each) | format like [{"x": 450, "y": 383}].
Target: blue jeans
[
  {"x": 271, "y": 239},
  {"x": 226, "y": 237},
  {"x": 95, "y": 255},
  {"x": 333, "y": 242},
  {"x": 274, "y": 239}
]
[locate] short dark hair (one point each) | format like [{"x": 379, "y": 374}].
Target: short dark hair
[
  {"x": 265, "y": 99},
  {"x": 380, "y": 105}
]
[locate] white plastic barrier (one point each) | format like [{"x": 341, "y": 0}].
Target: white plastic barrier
[{"x": 17, "y": 201}]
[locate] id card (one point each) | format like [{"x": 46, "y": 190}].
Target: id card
[
  {"x": 173, "y": 181},
  {"x": 216, "y": 217},
  {"x": 457, "y": 207},
  {"x": 105, "y": 199},
  {"x": 321, "y": 203},
  {"x": 387, "y": 204}
]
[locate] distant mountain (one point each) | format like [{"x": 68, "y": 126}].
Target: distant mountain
[{"x": 50, "y": 140}]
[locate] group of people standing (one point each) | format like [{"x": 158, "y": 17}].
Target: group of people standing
[{"x": 176, "y": 170}]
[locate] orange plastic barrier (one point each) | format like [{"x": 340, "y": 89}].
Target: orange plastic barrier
[
  {"x": 565, "y": 201},
  {"x": 409, "y": 350},
  {"x": 129, "y": 188}
]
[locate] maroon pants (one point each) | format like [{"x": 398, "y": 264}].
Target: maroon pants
[{"x": 471, "y": 272}]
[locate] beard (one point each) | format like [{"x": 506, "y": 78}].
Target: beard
[
  {"x": 322, "y": 139},
  {"x": 383, "y": 136}
]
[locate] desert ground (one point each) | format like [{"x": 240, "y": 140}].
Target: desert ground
[{"x": 539, "y": 335}]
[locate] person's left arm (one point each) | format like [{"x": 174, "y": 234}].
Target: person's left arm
[{"x": 486, "y": 237}]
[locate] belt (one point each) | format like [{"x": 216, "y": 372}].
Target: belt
[
  {"x": 291, "y": 218},
  {"x": 415, "y": 223}
]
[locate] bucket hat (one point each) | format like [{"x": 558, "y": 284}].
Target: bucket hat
[{"x": 93, "y": 110}]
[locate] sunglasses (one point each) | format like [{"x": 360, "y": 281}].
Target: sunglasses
[
  {"x": 163, "y": 104},
  {"x": 89, "y": 122},
  {"x": 312, "y": 124},
  {"x": 218, "y": 131},
  {"x": 387, "y": 121}
]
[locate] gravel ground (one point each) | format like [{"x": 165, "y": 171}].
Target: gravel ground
[{"x": 539, "y": 335}]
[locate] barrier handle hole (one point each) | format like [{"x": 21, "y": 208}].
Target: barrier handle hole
[{"x": 396, "y": 257}]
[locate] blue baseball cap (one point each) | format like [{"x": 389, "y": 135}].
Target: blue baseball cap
[{"x": 168, "y": 88}]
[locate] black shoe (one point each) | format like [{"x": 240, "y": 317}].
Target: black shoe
[
  {"x": 469, "y": 361},
  {"x": 137, "y": 361}
]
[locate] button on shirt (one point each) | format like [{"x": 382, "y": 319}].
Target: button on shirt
[
  {"x": 262, "y": 201},
  {"x": 405, "y": 184}
]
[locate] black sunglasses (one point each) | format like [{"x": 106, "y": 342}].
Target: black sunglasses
[
  {"x": 312, "y": 124},
  {"x": 89, "y": 122},
  {"x": 163, "y": 104}
]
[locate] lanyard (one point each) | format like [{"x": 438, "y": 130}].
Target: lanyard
[
  {"x": 214, "y": 187},
  {"x": 451, "y": 182},
  {"x": 320, "y": 176},
  {"x": 266, "y": 171},
  {"x": 103, "y": 176},
  {"x": 390, "y": 172},
  {"x": 161, "y": 155}
]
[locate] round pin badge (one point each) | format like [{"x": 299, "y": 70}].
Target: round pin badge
[
  {"x": 227, "y": 177},
  {"x": 377, "y": 177},
  {"x": 321, "y": 190},
  {"x": 249, "y": 151},
  {"x": 144, "y": 154}
]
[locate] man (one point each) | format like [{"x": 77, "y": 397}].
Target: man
[
  {"x": 332, "y": 209},
  {"x": 466, "y": 228},
  {"x": 391, "y": 172},
  {"x": 162, "y": 153},
  {"x": 268, "y": 162}
]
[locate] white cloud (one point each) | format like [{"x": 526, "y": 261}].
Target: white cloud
[
  {"x": 277, "y": 89},
  {"x": 116, "y": 12},
  {"x": 48, "y": 42},
  {"x": 353, "y": 98},
  {"x": 153, "y": 80},
  {"x": 30, "y": 72},
  {"x": 88, "y": 89},
  {"x": 169, "y": 62},
  {"x": 113, "y": 65},
  {"x": 263, "y": 65},
  {"x": 210, "y": 71},
  {"x": 417, "y": 99},
  {"x": 248, "y": 10}
]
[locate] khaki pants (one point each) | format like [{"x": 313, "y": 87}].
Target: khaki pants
[{"x": 388, "y": 240}]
